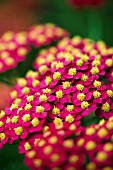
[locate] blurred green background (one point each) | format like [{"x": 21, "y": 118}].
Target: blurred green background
[{"x": 94, "y": 23}]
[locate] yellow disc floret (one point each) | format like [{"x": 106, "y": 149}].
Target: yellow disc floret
[
  {"x": 69, "y": 118},
  {"x": 70, "y": 108},
  {"x": 81, "y": 96},
  {"x": 40, "y": 109},
  {"x": 105, "y": 107},
  {"x": 79, "y": 87},
  {"x": 27, "y": 146},
  {"x": 59, "y": 94},
  {"x": 26, "y": 117},
  {"x": 96, "y": 94},
  {"x": 109, "y": 93},
  {"x": 18, "y": 130},
  {"x": 84, "y": 105},
  {"x": 84, "y": 77},
  {"x": 94, "y": 70},
  {"x": 57, "y": 75},
  {"x": 72, "y": 71},
  {"x": 43, "y": 98},
  {"x": 56, "y": 110},
  {"x": 66, "y": 85}
]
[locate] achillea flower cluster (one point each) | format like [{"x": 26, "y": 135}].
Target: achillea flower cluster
[
  {"x": 44, "y": 34},
  {"x": 47, "y": 105},
  {"x": 15, "y": 46},
  {"x": 92, "y": 150},
  {"x": 13, "y": 49}
]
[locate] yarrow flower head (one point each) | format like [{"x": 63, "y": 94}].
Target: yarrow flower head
[
  {"x": 92, "y": 150},
  {"x": 64, "y": 89},
  {"x": 13, "y": 49},
  {"x": 41, "y": 35},
  {"x": 15, "y": 46}
]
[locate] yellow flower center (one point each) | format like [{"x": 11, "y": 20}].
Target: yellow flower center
[
  {"x": 30, "y": 98},
  {"x": 108, "y": 147},
  {"x": 22, "y": 82},
  {"x": 14, "y": 106},
  {"x": 35, "y": 83},
  {"x": 43, "y": 69},
  {"x": 101, "y": 156},
  {"x": 59, "y": 65},
  {"x": 48, "y": 80},
  {"x": 40, "y": 109},
  {"x": 31, "y": 154},
  {"x": 84, "y": 57},
  {"x": 28, "y": 106},
  {"x": 69, "y": 57},
  {"x": 84, "y": 78},
  {"x": 2, "y": 114},
  {"x": 70, "y": 108},
  {"x": 56, "y": 76},
  {"x": 43, "y": 98},
  {"x": 26, "y": 117},
  {"x": 72, "y": 71},
  {"x": 27, "y": 146},
  {"x": 47, "y": 90},
  {"x": 96, "y": 63},
  {"x": 84, "y": 105},
  {"x": 55, "y": 157},
  {"x": 13, "y": 94},
  {"x": 69, "y": 118},
  {"x": 59, "y": 94},
  {"x": 32, "y": 74},
  {"x": 68, "y": 143},
  {"x": 35, "y": 122},
  {"x": 73, "y": 158},
  {"x": 109, "y": 62},
  {"x": 102, "y": 132},
  {"x": 15, "y": 119},
  {"x": 25, "y": 90},
  {"x": 90, "y": 145},
  {"x": 81, "y": 96},
  {"x": 1, "y": 123},
  {"x": 109, "y": 93},
  {"x": 53, "y": 140},
  {"x": 18, "y": 130},
  {"x": 55, "y": 110},
  {"x": 79, "y": 87},
  {"x": 37, "y": 163},
  {"x": 97, "y": 83},
  {"x": 96, "y": 94},
  {"x": 79, "y": 62},
  {"x": 105, "y": 107},
  {"x": 66, "y": 85},
  {"x": 2, "y": 136},
  {"x": 47, "y": 150},
  {"x": 57, "y": 122},
  {"x": 94, "y": 70}
]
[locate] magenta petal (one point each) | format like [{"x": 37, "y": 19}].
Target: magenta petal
[
  {"x": 78, "y": 75},
  {"x": 99, "y": 100},
  {"x": 51, "y": 98},
  {"x": 85, "y": 112},
  {"x": 88, "y": 96},
  {"x": 103, "y": 87}
]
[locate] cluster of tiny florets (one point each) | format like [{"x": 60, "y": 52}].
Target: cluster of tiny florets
[{"x": 70, "y": 82}]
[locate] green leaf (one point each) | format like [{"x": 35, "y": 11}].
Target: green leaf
[{"x": 10, "y": 159}]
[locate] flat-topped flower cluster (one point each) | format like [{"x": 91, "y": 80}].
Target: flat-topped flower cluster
[
  {"x": 71, "y": 81},
  {"x": 15, "y": 46}
]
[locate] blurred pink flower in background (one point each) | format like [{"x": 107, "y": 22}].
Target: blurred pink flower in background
[{"x": 85, "y": 3}]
